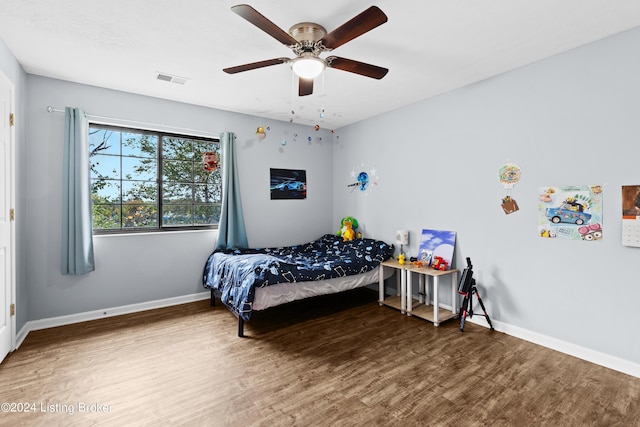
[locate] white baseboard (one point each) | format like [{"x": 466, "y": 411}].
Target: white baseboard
[
  {"x": 52, "y": 322},
  {"x": 602, "y": 359}
]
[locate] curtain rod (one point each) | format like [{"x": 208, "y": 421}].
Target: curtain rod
[{"x": 150, "y": 126}]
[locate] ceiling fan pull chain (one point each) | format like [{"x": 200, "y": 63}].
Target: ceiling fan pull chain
[
  {"x": 294, "y": 86},
  {"x": 324, "y": 86}
]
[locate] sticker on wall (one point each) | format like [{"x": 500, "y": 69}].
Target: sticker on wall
[
  {"x": 631, "y": 215},
  {"x": 509, "y": 174},
  {"x": 363, "y": 178},
  {"x": 572, "y": 213}
]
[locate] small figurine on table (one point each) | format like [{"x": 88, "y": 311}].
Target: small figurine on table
[{"x": 439, "y": 263}]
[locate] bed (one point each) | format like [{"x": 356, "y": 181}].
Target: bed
[{"x": 260, "y": 278}]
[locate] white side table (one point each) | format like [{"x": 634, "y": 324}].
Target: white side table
[
  {"x": 398, "y": 301},
  {"x": 422, "y": 308}
]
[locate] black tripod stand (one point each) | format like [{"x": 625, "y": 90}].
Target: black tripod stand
[{"x": 467, "y": 287}]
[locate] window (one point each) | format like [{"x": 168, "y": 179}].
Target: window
[{"x": 150, "y": 181}]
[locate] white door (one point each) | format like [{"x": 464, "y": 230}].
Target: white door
[{"x": 7, "y": 327}]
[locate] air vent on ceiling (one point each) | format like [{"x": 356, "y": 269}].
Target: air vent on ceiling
[{"x": 169, "y": 78}]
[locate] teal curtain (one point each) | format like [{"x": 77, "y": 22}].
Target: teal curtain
[
  {"x": 77, "y": 233},
  {"x": 231, "y": 231}
]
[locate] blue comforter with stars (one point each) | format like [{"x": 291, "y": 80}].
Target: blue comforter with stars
[{"x": 236, "y": 273}]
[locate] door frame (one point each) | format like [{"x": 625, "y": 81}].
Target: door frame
[{"x": 11, "y": 185}]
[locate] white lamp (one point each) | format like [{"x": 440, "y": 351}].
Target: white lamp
[
  {"x": 307, "y": 66},
  {"x": 402, "y": 238}
]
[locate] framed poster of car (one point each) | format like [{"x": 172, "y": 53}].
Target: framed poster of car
[{"x": 288, "y": 184}]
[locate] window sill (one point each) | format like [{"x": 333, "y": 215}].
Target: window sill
[{"x": 155, "y": 233}]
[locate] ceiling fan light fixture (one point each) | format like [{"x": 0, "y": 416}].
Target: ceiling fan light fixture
[{"x": 307, "y": 67}]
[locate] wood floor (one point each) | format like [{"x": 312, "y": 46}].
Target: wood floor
[{"x": 330, "y": 361}]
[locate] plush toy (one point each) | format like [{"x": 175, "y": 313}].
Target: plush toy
[
  {"x": 347, "y": 228},
  {"x": 348, "y": 234}
]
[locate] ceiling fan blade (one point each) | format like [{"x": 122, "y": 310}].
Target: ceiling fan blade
[
  {"x": 357, "y": 26},
  {"x": 305, "y": 87},
  {"x": 356, "y": 67},
  {"x": 254, "y": 65},
  {"x": 260, "y": 21}
]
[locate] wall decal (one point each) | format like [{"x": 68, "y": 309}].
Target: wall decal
[
  {"x": 509, "y": 174},
  {"x": 363, "y": 178},
  {"x": 572, "y": 213}
]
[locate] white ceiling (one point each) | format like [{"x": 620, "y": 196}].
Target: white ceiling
[{"x": 430, "y": 47}]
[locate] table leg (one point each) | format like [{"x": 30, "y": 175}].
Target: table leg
[
  {"x": 427, "y": 292},
  {"x": 435, "y": 301},
  {"x": 380, "y": 284},
  {"x": 403, "y": 290},
  {"x": 409, "y": 292},
  {"x": 454, "y": 292}
]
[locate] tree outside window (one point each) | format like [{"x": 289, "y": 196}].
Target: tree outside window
[{"x": 150, "y": 181}]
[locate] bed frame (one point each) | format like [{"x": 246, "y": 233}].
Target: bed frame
[
  {"x": 352, "y": 282},
  {"x": 240, "y": 319}
]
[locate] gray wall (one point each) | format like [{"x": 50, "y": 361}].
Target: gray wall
[
  {"x": 139, "y": 268},
  {"x": 568, "y": 120}
]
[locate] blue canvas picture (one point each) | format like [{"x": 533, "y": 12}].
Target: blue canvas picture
[{"x": 437, "y": 243}]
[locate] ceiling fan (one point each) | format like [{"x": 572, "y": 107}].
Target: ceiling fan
[{"x": 308, "y": 40}]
